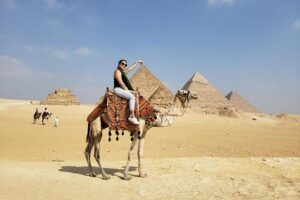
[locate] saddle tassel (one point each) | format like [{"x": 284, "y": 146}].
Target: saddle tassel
[
  {"x": 109, "y": 136},
  {"x": 117, "y": 133}
]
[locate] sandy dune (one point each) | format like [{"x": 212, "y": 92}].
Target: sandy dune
[{"x": 199, "y": 157}]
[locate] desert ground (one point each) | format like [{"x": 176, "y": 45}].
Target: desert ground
[{"x": 198, "y": 157}]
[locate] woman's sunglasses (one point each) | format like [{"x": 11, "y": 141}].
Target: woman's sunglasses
[{"x": 124, "y": 64}]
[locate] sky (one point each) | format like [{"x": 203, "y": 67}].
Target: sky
[{"x": 249, "y": 46}]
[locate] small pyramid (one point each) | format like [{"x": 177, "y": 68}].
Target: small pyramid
[
  {"x": 239, "y": 102},
  {"x": 147, "y": 83},
  {"x": 161, "y": 98},
  {"x": 209, "y": 98},
  {"x": 60, "y": 96}
]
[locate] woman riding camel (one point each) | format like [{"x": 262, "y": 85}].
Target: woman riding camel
[{"x": 122, "y": 88}]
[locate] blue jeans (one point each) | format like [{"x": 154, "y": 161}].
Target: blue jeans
[{"x": 127, "y": 95}]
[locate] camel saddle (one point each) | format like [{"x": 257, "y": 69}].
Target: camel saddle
[{"x": 118, "y": 111}]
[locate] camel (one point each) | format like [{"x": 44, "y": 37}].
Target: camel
[
  {"x": 36, "y": 116},
  {"x": 180, "y": 104},
  {"x": 95, "y": 133},
  {"x": 45, "y": 116}
]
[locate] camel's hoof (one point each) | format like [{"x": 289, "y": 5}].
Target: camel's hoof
[
  {"x": 127, "y": 177},
  {"x": 93, "y": 174},
  {"x": 105, "y": 177},
  {"x": 143, "y": 175}
]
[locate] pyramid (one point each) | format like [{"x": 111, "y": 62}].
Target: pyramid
[
  {"x": 209, "y": 98},
  {"x": 60, "y": 96},
  {"x": 240, "y": 102},
  {"x": 148, "y": 84},
  {"x": 161, "y": 99}
]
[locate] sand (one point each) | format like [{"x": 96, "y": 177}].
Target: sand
[{"x": 198, "y": 157}]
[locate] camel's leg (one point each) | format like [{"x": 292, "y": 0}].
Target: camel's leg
[
  {"x": 87, "y": 153},
  {"x": 130, "y": 154},
  {"x": 97, "y": 155},
  {"x": 140, "y": 153}
]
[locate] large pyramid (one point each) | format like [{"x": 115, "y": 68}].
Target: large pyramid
[
  {"x": 240, "y": 102},
  {"x": 152, "y": 88},
  {"x": 209, "y": 98},
  {"x": 61, "y": 96},
  {"x": 162, "y": 98}
]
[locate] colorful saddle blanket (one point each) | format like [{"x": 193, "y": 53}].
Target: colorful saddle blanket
[{"x": 118, "y": 111}]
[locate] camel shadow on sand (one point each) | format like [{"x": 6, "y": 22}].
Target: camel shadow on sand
[{"x": 84, "y": 170}]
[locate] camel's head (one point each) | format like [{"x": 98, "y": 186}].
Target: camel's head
[{"x": 185, "y": 96}]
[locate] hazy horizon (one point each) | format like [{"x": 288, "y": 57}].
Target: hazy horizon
[{"x": 249, "y": 46}]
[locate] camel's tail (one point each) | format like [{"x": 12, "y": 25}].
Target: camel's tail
[{"x": 88, "y": 132}]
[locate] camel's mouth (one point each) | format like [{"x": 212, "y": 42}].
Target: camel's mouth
[{"x": 153, "y": 118}]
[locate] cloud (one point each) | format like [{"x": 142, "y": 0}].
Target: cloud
[
  {"x": 83, "y": 51},
  {"x": 220, "y": 2},
  {"x": 62, "y": 54},
  {"x": 297, "y": 24},
  {"x": 20, "y": 81},
  {"x": 53, "y": 4},
  {"x": 14, "y": 68}
]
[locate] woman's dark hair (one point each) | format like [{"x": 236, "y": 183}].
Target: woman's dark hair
[{"x": 121, "y": 61}]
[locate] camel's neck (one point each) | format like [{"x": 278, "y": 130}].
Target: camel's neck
[
  {"x": 179, "y": 106},
  {"x": 180, "y": 101}
]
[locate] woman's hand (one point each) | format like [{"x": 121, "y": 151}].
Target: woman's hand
[
  {"x": 139, "y": 62},
  {"x": 128, "y": 69}
]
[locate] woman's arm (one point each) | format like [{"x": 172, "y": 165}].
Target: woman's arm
[
  {"x": 131, "y": 67},
  {"x": 118, "y": 76}
]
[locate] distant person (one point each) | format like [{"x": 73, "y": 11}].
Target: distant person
[
  {"x": 36, "y": 111},
  {"x": 56, "y": 122},
  {"x": 46, "y": 115},
  {"x": 46, "y": 111},
  {"x": 36, "y": 115}
]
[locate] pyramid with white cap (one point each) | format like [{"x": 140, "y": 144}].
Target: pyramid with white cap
[
  {"x": 239, "y": 102},
  {"x": 209, "y": 98}
]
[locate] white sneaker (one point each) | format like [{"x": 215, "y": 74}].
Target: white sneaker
[{"x": 133, "y": 120}]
